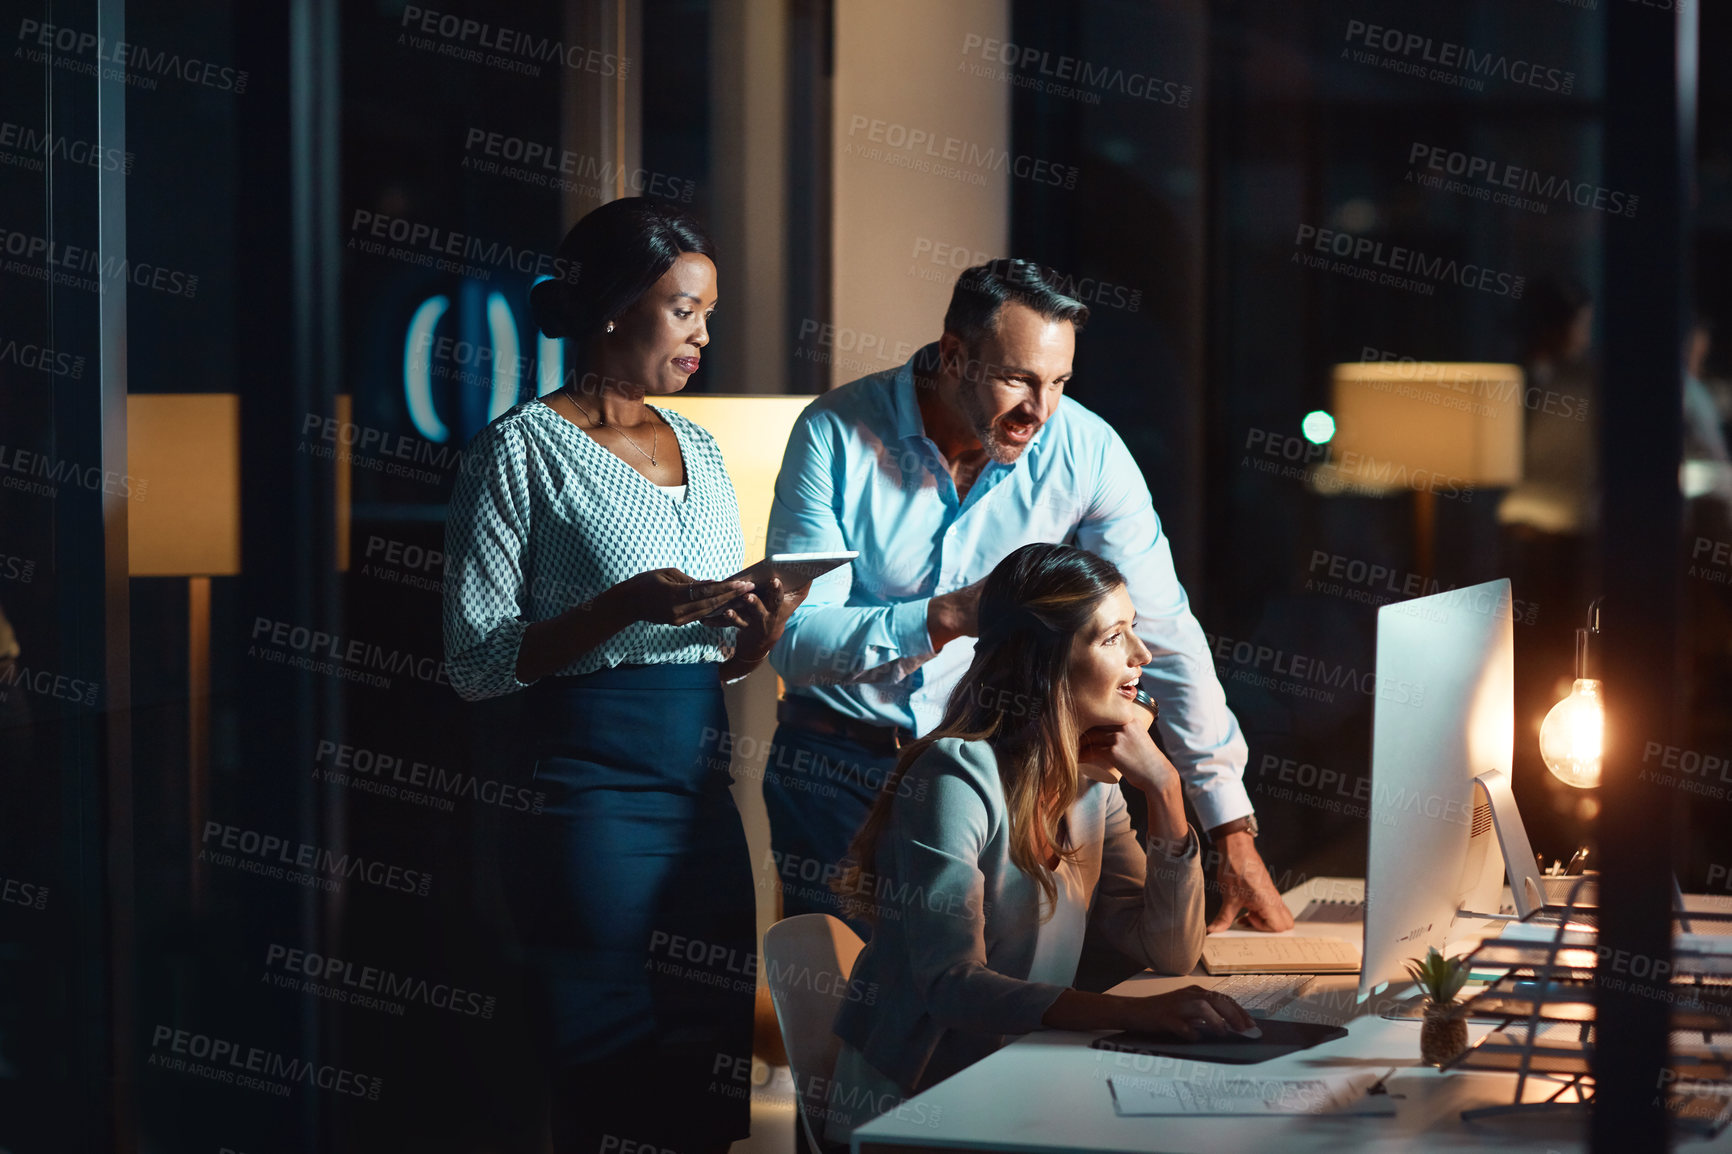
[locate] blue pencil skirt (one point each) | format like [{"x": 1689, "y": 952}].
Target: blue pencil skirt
[{"x": 632, "y": 894}]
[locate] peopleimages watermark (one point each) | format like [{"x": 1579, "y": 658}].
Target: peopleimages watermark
[
  {"x": 480, "y": 42},
  {"x": 42, "y": 475},
  {"x": 545, "y": 166},
  {"x": 820, "y": 1099},
  {"x": 1507, "y": 184},
  {"x": 15, "y": 674},
  {"x": 938, "y": 261},
  {"x": 1303, "y": 673},
  {"x": 1294, "y": 457},
  {"x": 445, "y": 251},
  {"x": 393, "y": 776},
  {"x": 929, "y": 151},
  {"x": 853, "y": 349},
  {"x": 1454, "y": 386},
  {"x": 736, "y": 968},
  {"x": 891, "y": 898},
  {"x": 88, "y": 54},
  {"x": 1443, "y": 61},
  {"x": 251, "y": 1067},
  {"x": 798, "y": 769},
  {"x": 1355, "y": 579},
  {"x": 1395, "y": 265},
  {"x": 19, "y": 569},
  {"x": 1332, "y": 789},
  {"x": 43, "y": 259},
  {"x": 368, "y": 987},
  {"x": 365, "y": 445},
  {"x": 31, "y": 356},
  {"x": 476, "y": 363},
  {"x": 34, "y": 148},
  {"x": 303, "y": 863},
  {"x": 30, "y": 895},
  {"x": 1676, "y": 6},
  {"x": 1711, "y": 561},
  {"x": 1686, "y": 770},
  {"x": 1070, "y": 77},
  {"x": 286, "y": 643},
  {"x": 404, "y": 563}
]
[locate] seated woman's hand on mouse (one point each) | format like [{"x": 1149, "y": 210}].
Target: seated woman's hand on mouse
[{"x": 1192, "y": 1013}]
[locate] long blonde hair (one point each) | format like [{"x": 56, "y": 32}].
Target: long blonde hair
[{"x": 1015, "y": 696}]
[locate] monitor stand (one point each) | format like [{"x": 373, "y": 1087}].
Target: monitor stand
[
  {"x": 1526, "y": 889},
  {"x": 1525, "y": 886}
]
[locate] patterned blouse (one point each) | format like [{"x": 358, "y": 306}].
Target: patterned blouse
[{"x": 543, "y": 518}]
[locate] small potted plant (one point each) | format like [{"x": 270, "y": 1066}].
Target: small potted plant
[{"x": 1444, "y": 1033}]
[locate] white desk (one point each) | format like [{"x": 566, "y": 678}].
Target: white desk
[{"x": 1047, "y": 1092}]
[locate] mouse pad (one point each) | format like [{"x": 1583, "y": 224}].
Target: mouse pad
[{"x": 1278, "y": 1038}]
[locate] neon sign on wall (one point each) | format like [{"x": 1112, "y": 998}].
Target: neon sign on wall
[{"x": 502, "y": 355}]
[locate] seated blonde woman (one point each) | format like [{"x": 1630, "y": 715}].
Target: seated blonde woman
[{"x": 997, "y": 842}]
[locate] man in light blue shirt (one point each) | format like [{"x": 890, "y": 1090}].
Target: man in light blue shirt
[{"x": 934, "y": 472}]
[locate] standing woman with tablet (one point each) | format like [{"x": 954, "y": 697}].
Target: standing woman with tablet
[
  {"x": 997, "y": 840},
  {"x": 589, "y": 540}
]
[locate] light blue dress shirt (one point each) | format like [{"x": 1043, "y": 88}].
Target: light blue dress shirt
[{"x": 860, "y": 473}]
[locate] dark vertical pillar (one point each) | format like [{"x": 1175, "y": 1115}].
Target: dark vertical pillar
[
  {"x": 288, "y": 321},
  {"x": 811, "y": 76},
  {"x": 86, "y": 207},
  {"x": 1650, "y": 129}
]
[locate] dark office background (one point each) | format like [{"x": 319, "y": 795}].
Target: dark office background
[{"x": 1194, "y": 208}]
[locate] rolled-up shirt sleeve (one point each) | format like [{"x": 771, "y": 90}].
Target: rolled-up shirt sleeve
[
  {"x": 486, "y": 531},
  {"x": 827, "y": 640},
  {"x": 1200, "y": 733}
]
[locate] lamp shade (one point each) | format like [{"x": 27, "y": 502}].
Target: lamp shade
[
  {"x": 1458, "y": 421},
  {"x": 186, "y": 448},
  {"x": 752, "y": 433}
]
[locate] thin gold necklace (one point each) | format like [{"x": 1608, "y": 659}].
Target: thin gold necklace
[{"x": 655, "y": 433}]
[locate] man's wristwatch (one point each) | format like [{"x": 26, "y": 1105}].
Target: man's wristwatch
[{"x": 1246, "y": 824}]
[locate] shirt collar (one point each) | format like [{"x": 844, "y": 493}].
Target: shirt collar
[{"x": 905, "y": 404}]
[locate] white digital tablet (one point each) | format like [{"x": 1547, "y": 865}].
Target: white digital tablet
[{"x": 797, "y": 570}]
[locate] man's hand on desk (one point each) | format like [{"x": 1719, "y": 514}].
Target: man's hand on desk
[
  {"x": 1246, "y": 887},
  {"x": 954, "y": 614}
]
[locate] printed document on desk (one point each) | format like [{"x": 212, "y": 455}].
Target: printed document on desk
[{"x": 1217, "y": 1094}]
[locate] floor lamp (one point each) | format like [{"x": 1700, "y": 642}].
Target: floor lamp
[
  {"x": 1429, "y": 427},
  {"x": 186, "y": 447}
]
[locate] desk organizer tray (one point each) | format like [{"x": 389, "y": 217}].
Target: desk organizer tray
[{"x": 1545, "y": 1002}]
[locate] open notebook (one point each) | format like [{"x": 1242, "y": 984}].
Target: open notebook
[{"x": 1273, "y": 954}]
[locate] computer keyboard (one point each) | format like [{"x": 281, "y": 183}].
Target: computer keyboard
[
  {"x": 1263, "y": 994},
  {"x": 1326, "y": 910}
]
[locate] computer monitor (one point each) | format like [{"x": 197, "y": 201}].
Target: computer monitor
[{"x": 1444, "y": 828}]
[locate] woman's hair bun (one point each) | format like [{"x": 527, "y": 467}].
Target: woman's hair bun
[
  {"x": 608, "y": 260},
  {"x": 550, "y": 302}
]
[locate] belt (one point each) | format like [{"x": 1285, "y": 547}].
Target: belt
[{"x": 805, "y": 713}]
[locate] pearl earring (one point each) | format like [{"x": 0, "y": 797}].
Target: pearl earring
[{"x": 610, "y": 326}]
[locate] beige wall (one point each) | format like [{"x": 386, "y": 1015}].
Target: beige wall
[
  {"x": 900, "y": 71},
  {"x": 748, "y": 186}
]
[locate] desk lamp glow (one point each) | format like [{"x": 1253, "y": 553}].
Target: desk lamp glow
[
  {"x": 1428, "y": 427},
  {"x": 1572, "y": 736}
]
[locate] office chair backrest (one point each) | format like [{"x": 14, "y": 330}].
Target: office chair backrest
[{"x": 807, "y": 960}]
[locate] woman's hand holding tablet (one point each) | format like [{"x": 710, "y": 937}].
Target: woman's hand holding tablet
[{"x": 796, "y": 570}]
